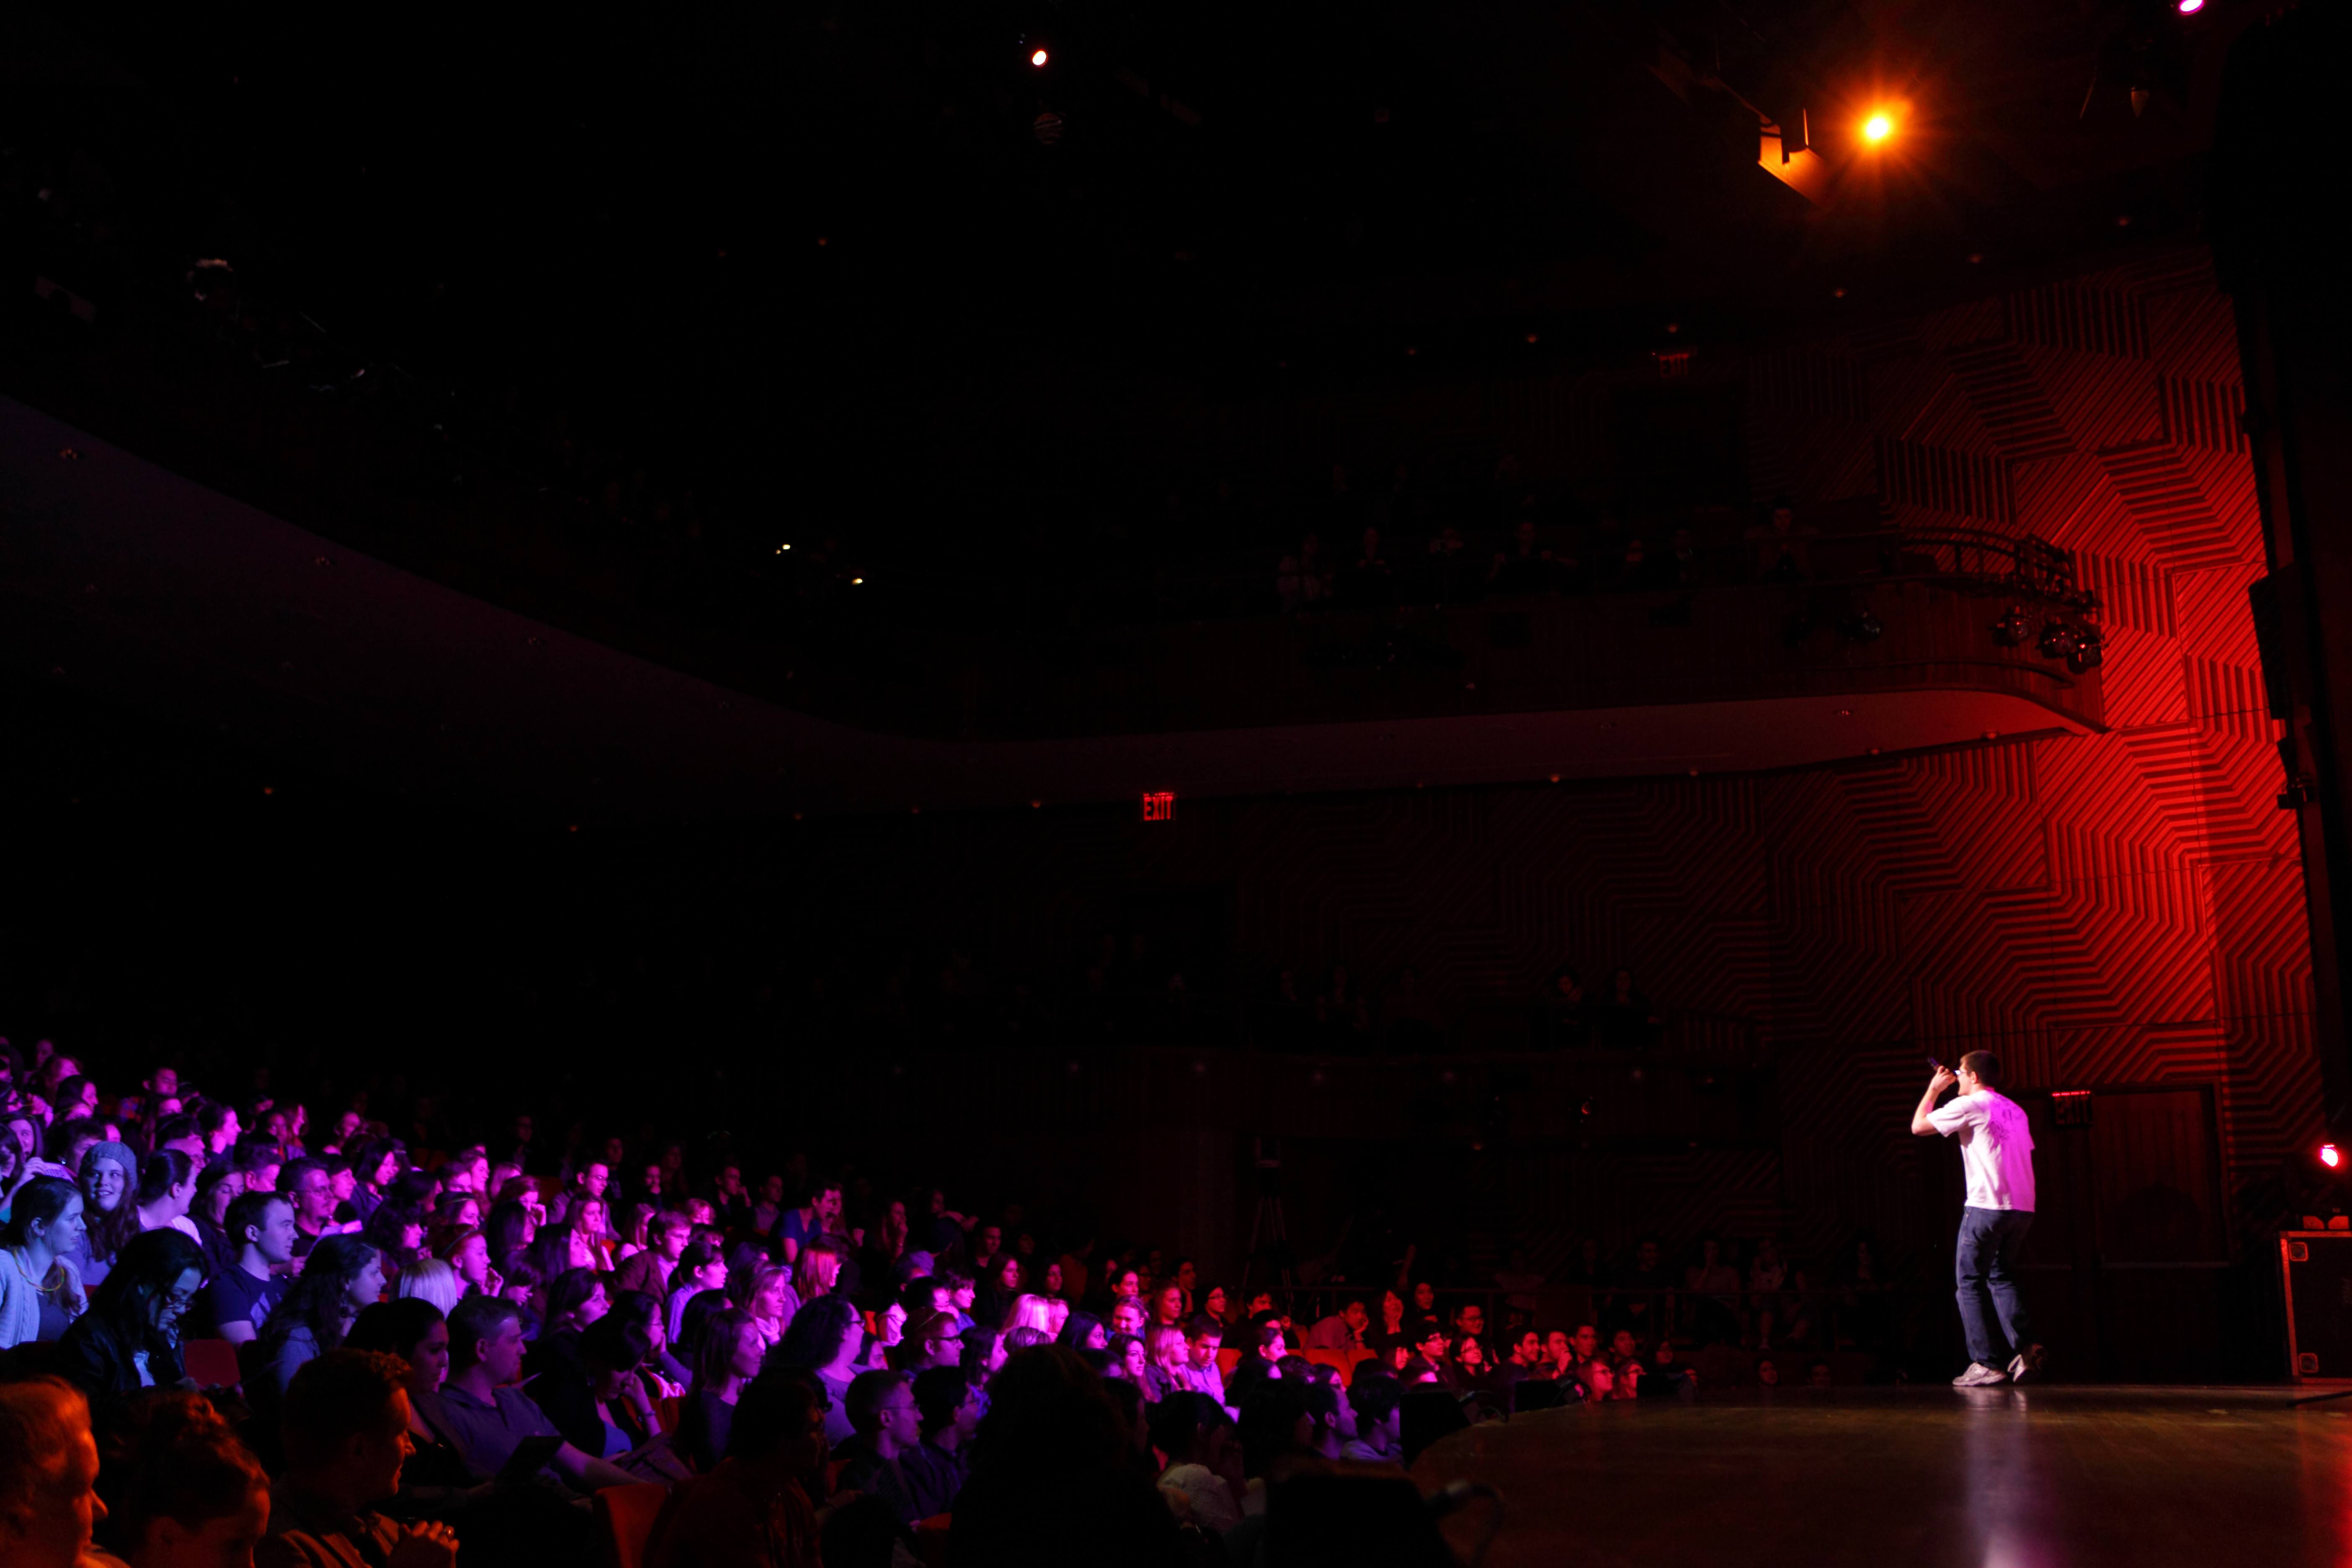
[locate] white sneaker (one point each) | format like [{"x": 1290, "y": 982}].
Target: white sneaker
[
  {"x": 2028, "y": 1364},
  {"x": 1980, "y": 1375}
]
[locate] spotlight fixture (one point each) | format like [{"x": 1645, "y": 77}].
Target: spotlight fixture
[
  {"x": 2012, "y": 628},
  {"x": 1862, "y": 627},
  {"x": 1878, "y": 127},
  {"x": 2330, "y": 1155},
  {"x": 1038, "y": 57},
  {"x": 2188, "y": 7},
  {"x": 2059, "y": 639},
  {"x": 2090, "y": 650}
]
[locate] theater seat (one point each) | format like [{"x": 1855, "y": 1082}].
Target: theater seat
[
  {"x": 1338, "y": 1361},
  {"x": 931, "y": 1541},
  {"x": 212, "y": 1362},
  {"x": 1227, "y": 1359},
  {"x": 625, "y": 1517}
]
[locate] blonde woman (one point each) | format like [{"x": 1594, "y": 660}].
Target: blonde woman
[
  {"x": 1031, "y": 1313},
  {"x": 431, "y": 1280}
]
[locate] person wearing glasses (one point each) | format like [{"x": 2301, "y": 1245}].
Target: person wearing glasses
[{"x": 130, "y": 1338}]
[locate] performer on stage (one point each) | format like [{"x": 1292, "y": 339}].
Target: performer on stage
[{"x": 1997, "y": 1152}]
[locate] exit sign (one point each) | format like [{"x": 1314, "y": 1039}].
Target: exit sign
[{"x": 1159, "y": 805}]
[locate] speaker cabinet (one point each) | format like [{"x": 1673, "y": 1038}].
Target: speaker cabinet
[{"x": 2316, "y": 1266}]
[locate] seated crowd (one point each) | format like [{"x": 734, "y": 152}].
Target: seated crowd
[{"x": 296, "y": 1345}]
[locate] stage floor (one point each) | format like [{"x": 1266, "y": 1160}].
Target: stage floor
[{"x": 2037, "y": 1477}]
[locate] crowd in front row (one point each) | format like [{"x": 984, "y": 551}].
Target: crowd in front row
[{"x": 225, "y": 1337}]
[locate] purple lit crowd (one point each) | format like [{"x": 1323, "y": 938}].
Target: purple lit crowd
[{"x": 232, "y": 1333}]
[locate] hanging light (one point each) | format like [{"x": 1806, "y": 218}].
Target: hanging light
[
  {"x": 2012, "y": 628},
  {"x": 2058, "y": 639},
  {"x": 2090, "y": 650},
  {"x": 1863, "y": 626},
  {"x": 2330, "y": 1156}
]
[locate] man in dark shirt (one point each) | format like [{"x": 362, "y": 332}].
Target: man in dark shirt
[
  {"x": 307, "y": 1186},
  {"x": 485, "y": 1415},
  {"x": 648, "y": 1271},
  {"x": 882, "y": 1413},
  {"x": 238, "y": 1301},
  {"x": 935, "y": 1469},
  {"x": 346, "y": 1427}
]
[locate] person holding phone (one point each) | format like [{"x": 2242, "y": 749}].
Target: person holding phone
[{"x": 1997, "y": 1153}]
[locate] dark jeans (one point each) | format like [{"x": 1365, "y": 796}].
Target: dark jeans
[{"x": 1993, "y": 1314}]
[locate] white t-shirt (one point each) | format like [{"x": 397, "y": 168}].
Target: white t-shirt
[{"x": 1996, "y": 1148}]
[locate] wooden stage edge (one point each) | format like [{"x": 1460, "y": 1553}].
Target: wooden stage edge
[{"x": 2040, "y": 1476}]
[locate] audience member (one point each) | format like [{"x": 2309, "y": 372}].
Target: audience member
[
  {"x": 884, "y": 1424},
  {"x": 241, "y": 1298},
  {"x": 345, "y": 1432},
  {"x": 485, "y": 1414},
  {"x": 129, "y": 1339},
  {"x": 825, "y": 1339},
  {"x": 758, "y": 1508},
  {"x": 342, "y": 1276},
  {"x": 180, "y": 1489},
  {"x": 1380, "y": 1438},
  {"x": 40, "y": 1290},
  {"x": 109, "y": 1187},
  {"x": 1203, "y": 1458},
  {"x": 48, "y": 1469},
  {"x": 935, "y": 1469},
  {"x": 1053, "y": 1477}
]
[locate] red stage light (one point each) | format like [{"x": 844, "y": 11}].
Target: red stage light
[
  {"x": 1039, "y": 57},
  {"x": 2330, "y": 1155},
  {"x": 1877, "y": 128},
  {"x": 2188, "y": 7}
]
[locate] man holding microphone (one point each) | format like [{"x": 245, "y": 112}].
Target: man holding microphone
[{"x": 1997, "y": 1152}]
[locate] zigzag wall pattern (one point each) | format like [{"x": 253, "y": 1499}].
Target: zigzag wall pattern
[{"x": 2121, "y": 909}]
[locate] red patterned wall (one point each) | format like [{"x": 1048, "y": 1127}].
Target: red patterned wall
[{"x": 2122, "y": 909}]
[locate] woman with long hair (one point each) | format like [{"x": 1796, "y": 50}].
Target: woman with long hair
[
  {"x": 814, "y": 1273},
  {"x": 826, "y": 1338},
  {"x": 417, "y": 1331},
  {"x": 167, "y": 1185},
  {"x": 109, "y": 1205},
  {"x": 1084, "y": 1332},
  {"x": 510, "y": 1231},
  {"x": 1030, "y": 1313},
  {"x": 592, "y": 1225},
  {"x": 562, "y": 1247},
  {"x": 702, "y": 1266},
  {"x": 766, "y": 1292},
  {"x": 664, "y": 1375},
  {"x": 728, "y": 1358},
  {"x": 885, "y": 1245},
  {"x": 377, "y": 1165},
  {"x": 992, "y": 1302},
  {"x": 41, "y": 1292},
  {"x": 1167, "y": 1362},
  {"x": 396, "y": 1231},
  {"x": 341, "y": 1276},
  {"x": 130, "y": 1338}
]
